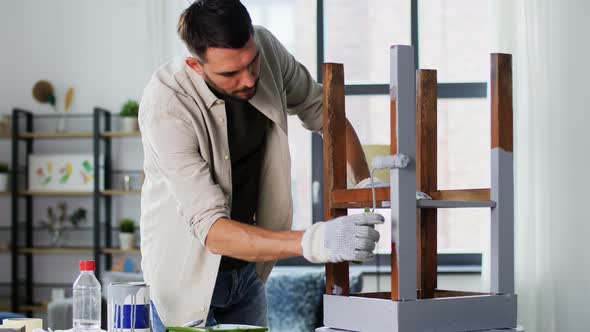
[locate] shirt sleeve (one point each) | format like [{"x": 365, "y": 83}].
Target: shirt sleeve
[
  {"x": 304, "y": 94},
  {"x": 171, "y": 142}
]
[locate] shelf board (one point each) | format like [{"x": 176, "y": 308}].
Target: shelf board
[
  {"x": 114, "y": 192},
  {"x": 54, "y": 193},
  {"x": 23, "y": 228},
  {"x": 120, "y": 251},
  {"x": 67, "y": 134},
  {"x": 5, "y": 250},
  {"x": 114, "y": 134},
  {"x": 5, "y": 137},
  {"x": 44, "y": 284},
  {"x": 42, "y": 307},
  {"x": 50, "y": 250},
  {"x": 5, "y": 193}
]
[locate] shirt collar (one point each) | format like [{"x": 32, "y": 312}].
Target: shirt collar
[
  {"x": 208, "y": 97},
  {"x": 265, "y": 94}
]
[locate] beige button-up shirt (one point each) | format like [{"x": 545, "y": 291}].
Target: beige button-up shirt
[{"x": 187, "y": 165}]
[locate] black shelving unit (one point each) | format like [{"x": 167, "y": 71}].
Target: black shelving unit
[
  {"x": 102, "y": 122},
  {"x": 23, "y": 132},
  {"x": 19, "y": 116}
]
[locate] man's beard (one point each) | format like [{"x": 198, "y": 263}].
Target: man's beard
[{"x": 234, "y": 94}]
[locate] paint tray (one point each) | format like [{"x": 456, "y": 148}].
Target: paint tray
[{"x": 219, "y": 328}]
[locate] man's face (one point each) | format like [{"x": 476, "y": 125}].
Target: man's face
[{"x": 233, "y": 72}]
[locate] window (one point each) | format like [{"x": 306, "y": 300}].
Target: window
[
  {"x": 293, "y": 22},
  {"x": 463, "y": 230},
  {"x": 369, "y": 115},
  {"x": 450, "y": 36},
  {"x": 359, "y": 34},
  {"x": 463, "y": 162},
  {"x": 454, "y": 38},
  {"x": 463, "y": 143}
]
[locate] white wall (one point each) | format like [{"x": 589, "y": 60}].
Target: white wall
[
  {"x": 106, "y": 50},
  {"x": 99, "y": 48}
]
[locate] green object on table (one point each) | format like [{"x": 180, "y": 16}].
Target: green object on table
[{"x": 220, "y": 328}]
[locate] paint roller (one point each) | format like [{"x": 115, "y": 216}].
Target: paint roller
[{"x": 399, "y": 160}]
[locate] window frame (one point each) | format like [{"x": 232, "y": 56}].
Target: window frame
[{"x": 447, "y": 262}]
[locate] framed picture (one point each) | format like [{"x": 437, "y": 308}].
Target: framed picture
[{"x": 63, "y": 172}]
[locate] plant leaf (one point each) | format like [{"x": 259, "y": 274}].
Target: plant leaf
[{"x": 69, "y": 97}]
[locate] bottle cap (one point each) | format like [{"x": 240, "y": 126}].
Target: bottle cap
[{"x": 86, "y": 266}]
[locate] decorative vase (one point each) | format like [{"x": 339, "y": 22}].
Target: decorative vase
[
  {"x": 3, "y": 181},
  {"x": 61, "y": 123},
  {"x": 127, "y": 241},
  {"x": 56, "y": 236},
  {"x": 129, "y": 123}
]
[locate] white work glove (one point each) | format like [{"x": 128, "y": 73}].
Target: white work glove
[{"x": 347, "y": 238}]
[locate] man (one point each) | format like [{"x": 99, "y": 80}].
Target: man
[{"x": 217, "y": 192}]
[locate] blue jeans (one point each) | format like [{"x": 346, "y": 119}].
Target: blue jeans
[{"x": 239, "y": 297}]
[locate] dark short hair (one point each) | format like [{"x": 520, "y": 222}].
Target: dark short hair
[{"x": 214, "y": 23}]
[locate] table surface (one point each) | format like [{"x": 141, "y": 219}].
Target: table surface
[{"x": 327, "y": 329}]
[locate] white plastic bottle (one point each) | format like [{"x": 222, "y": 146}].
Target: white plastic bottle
[{"x": 86, "y": 299}]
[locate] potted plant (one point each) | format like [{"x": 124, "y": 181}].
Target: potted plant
[
  {"x": 128, "y": 116},
  {"x": 4, "y": 177},
  {"x": 127, "y": 234},
  {"x": 5, "y": 126},
  {"x": 58, "y": 218}
]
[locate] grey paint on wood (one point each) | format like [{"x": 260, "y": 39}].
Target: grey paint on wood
[
  {"x": 502, "y": 223},
  {"x": 360, "y": 314},
  {"x": 442, "y": 204},
  {"x": 454, "y": 314},
  {"x": 403, "y": 195},
  {"x": 458, "y": 314}
]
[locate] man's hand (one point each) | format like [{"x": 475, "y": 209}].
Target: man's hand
[{"x": 347, "y": 238}]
